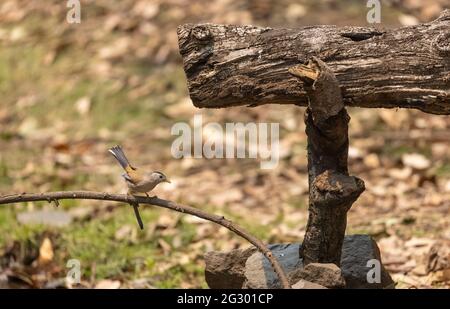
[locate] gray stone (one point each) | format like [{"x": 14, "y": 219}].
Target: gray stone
[
  {"x": 259, "y": 273},
  {"x": 327, "y": 275},
  {"x": 246, "y": 268},
  {"x": 357, "y": 251},
  {"x": 225, "y": 270}
]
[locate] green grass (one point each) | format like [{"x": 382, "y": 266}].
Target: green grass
[
  {"x": 443, "y": 170},
  {"x": 57, "y": 86},
  {"x": 93, "y": 242}
]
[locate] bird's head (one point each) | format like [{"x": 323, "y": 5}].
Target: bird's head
[{"x": 158, "y": 177}]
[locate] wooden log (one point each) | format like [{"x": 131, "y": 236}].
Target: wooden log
[{"x": 408, "y": 67}]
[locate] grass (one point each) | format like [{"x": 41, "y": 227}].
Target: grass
[
  {"x": 443, "y": 170},
  {"x": 94, "y": 244}
]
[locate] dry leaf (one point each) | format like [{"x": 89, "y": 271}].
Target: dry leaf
[
  {"x": 416, "y": 161},
  {"x": 45, "y": 252},
  {"x": 83, "y": 105},
  {"x": 372, "y": 160},
  {"x": 164, "y": 246}
]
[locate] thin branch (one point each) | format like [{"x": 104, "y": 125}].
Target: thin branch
[{"x": 133, "y": 200}]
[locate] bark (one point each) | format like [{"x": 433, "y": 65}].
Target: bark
[
  {"x": 331, "y": 190},
  {"x": 407, "y": 67}
]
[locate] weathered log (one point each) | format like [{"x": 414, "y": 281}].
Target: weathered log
[{"x": 408, "y": 67}]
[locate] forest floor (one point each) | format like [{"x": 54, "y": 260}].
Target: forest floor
[{"x": 71, "y": 91}]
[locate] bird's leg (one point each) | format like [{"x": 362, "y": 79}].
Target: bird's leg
[{"x": 154, "y": 196}]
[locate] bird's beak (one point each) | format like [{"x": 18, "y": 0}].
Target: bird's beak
[{"x": 167, "y": 180}]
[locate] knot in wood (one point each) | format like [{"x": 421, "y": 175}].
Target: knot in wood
[
  {"x": 441, "y": 43},
  {"x": 201, "y": 33},
  {"x": 332, "y": 187},
  {"x": 334, "y": 182}
]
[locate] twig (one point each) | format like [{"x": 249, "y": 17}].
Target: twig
[{"x": 133, "y": 200}]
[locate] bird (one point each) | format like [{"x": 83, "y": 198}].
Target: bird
[{"x": 136, "y": 180}]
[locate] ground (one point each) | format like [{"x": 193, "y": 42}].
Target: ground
[{"x": 70, "y": 91}]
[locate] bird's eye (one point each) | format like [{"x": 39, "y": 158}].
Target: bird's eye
[{"x": 160, "y": 176}]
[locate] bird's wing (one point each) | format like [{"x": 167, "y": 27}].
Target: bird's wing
[
  {"x": 127, "y": 178},
  {"x": 132, "y": 176}
]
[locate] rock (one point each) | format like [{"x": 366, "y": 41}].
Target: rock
[
  {"x": 258, "y": 270},
  {"x": 327, "y": 275},
  {"x": 358, "y": 254},
  {"x": 225, "y": 270},
  {"x": 303, "y": 284},
  {"x": 246, "y": 268}
]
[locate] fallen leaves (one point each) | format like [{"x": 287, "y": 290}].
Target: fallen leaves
[{"x": 438, "y": 257}]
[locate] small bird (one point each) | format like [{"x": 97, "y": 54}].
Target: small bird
[{"x": 137, "y": 181}]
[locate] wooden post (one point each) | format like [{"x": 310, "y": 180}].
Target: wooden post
[
  {"x": 331, "y": 190},
  {"x": 408, "y": 67}
]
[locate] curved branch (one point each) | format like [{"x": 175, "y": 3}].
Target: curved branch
[{"x": 133, "y": 200}]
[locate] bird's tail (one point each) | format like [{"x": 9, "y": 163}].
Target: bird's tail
[{"x": 118, "y": 153}]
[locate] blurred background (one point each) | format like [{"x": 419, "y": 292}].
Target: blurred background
[{"x": 70, "y": 91}]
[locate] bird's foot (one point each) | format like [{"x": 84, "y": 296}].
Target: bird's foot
[{"x": 154, "y": 196}]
